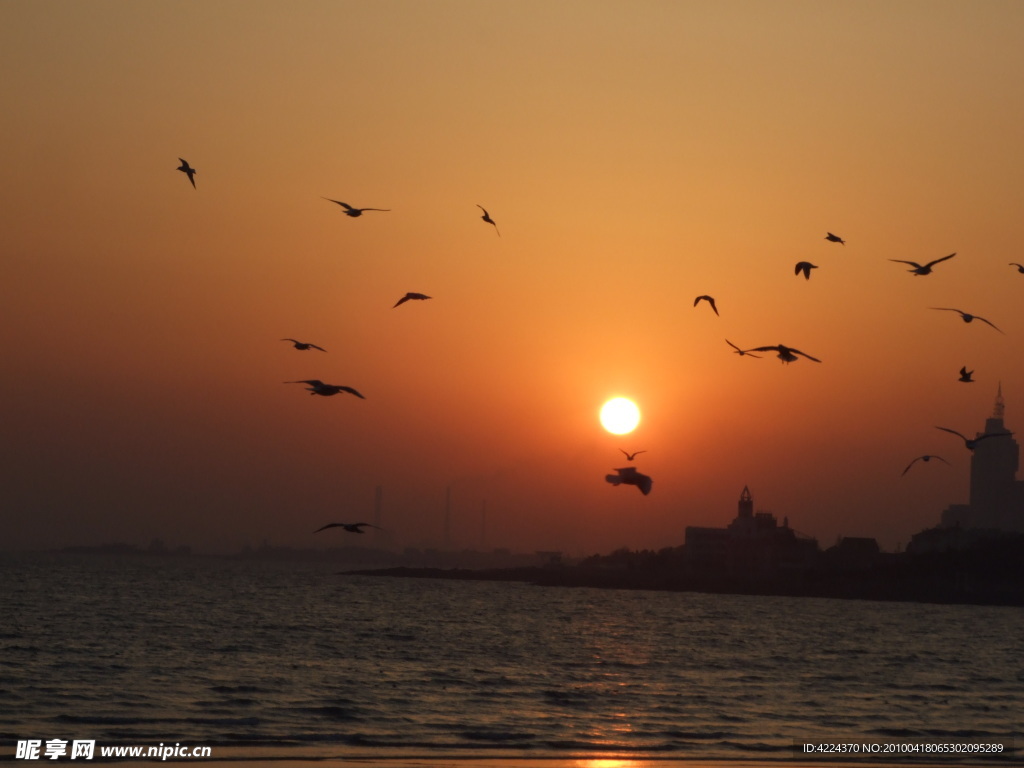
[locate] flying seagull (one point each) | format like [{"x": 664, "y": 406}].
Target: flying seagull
[
  {"x": 926, "y": 457},
  {"x": 317, "y": 387},
  {"x": 629, "y": 476},
  {"x": 353, "y": 212},
  {"x": 925, "y": 269},
  {"x": 834, "y": 238},
  {"x": 965, "y": 375},
  {"x": 969, "y": 442},
  {"x": 304, "y": 345},
  {"x": 966, "y": 317},
  {"x": 709, "y": 300},
  {"x": 1020, "y": 267},
  {"x": 411, "y": 295},
  {"x": 805, "y": 267},
  {"x": 739, "y": 351},
  {"x": 188, "y": 171},
  {"x": 786, "y": 354},
  {"x": 350, "y": 527},
  {"x": 631, "y": 456},
  {"x": 487, "y": 217}
]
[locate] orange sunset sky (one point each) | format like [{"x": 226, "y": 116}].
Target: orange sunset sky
[{"x": 633, "y": 155}]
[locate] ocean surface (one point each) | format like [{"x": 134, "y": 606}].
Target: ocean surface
[{"x": 295, "y": 660}]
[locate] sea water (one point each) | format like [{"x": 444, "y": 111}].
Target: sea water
[{"x": 288, "y": 658}]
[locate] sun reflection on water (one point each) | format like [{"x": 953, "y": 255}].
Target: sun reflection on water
[{"x": 607, "y": 763}]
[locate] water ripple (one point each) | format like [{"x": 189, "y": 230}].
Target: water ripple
[{"x": 223, "y": 652}]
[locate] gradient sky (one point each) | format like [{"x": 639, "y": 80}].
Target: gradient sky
[{"x": 634, "y": 155}]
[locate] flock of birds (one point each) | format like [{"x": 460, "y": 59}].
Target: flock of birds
[
  {"x": 316, "y": 386},
  {"x": 789, "y": 355},
  {"x": 630, "y": 475}
]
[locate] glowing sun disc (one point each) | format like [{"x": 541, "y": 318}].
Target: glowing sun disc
[{"x": 620, "y": 416}]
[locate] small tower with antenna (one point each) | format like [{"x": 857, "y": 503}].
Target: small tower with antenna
[
  {"x": 448, "y": 517},
  {"x": 745, "y": 507},
  {"x": 377, "y": 506}
]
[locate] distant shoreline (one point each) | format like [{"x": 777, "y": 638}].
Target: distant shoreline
[
  {"x": 989, "y": 572},
  {"x": 843, "y": 585}
]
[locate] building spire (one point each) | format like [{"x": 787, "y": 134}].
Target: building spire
[
  {"x": 745, "y": 508},
  {"x": 1000, "y": 407}
]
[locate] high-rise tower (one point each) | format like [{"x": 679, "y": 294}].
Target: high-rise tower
[
  {"x": 994, "y": 466},
  {"x": 997, "y": 497}
]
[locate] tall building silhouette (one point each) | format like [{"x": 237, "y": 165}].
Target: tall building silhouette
[{"x": 996, "y": 496}]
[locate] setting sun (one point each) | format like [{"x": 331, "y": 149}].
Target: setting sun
[
  {"x": 377, "y": 267},
  {"x": 620, "y": 416}
]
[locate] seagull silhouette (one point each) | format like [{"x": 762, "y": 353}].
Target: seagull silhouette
[
  {"x": 188, "y": 171},
  {"x": 965, "y": 375},
  {"x": 350, "y": 527},
  {"x": 971, "y": 442},
  {"x": 739, "y": 351},
  {"x": 317, "y": 387},
  {"x": 923, "y": 269},
  {"x": 304, "y": 345},
  {"x": 630, "y": 476},
  {"x": 805, "y": 267},
  {"x": 411, "y": 295},
  {"x": 1020, "y": 267},
  {"x": 353, "y": 212},
  {"x": 709, "y": 300},
  {"x": 786, "y": 354},
  {"x": 834, "y": 238},
  {"x": 926, "y": 457},
  {"x": 631, "y": 456},
  {"x": 965, "y": 316},
  {"x": 487, "y": 217}
]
